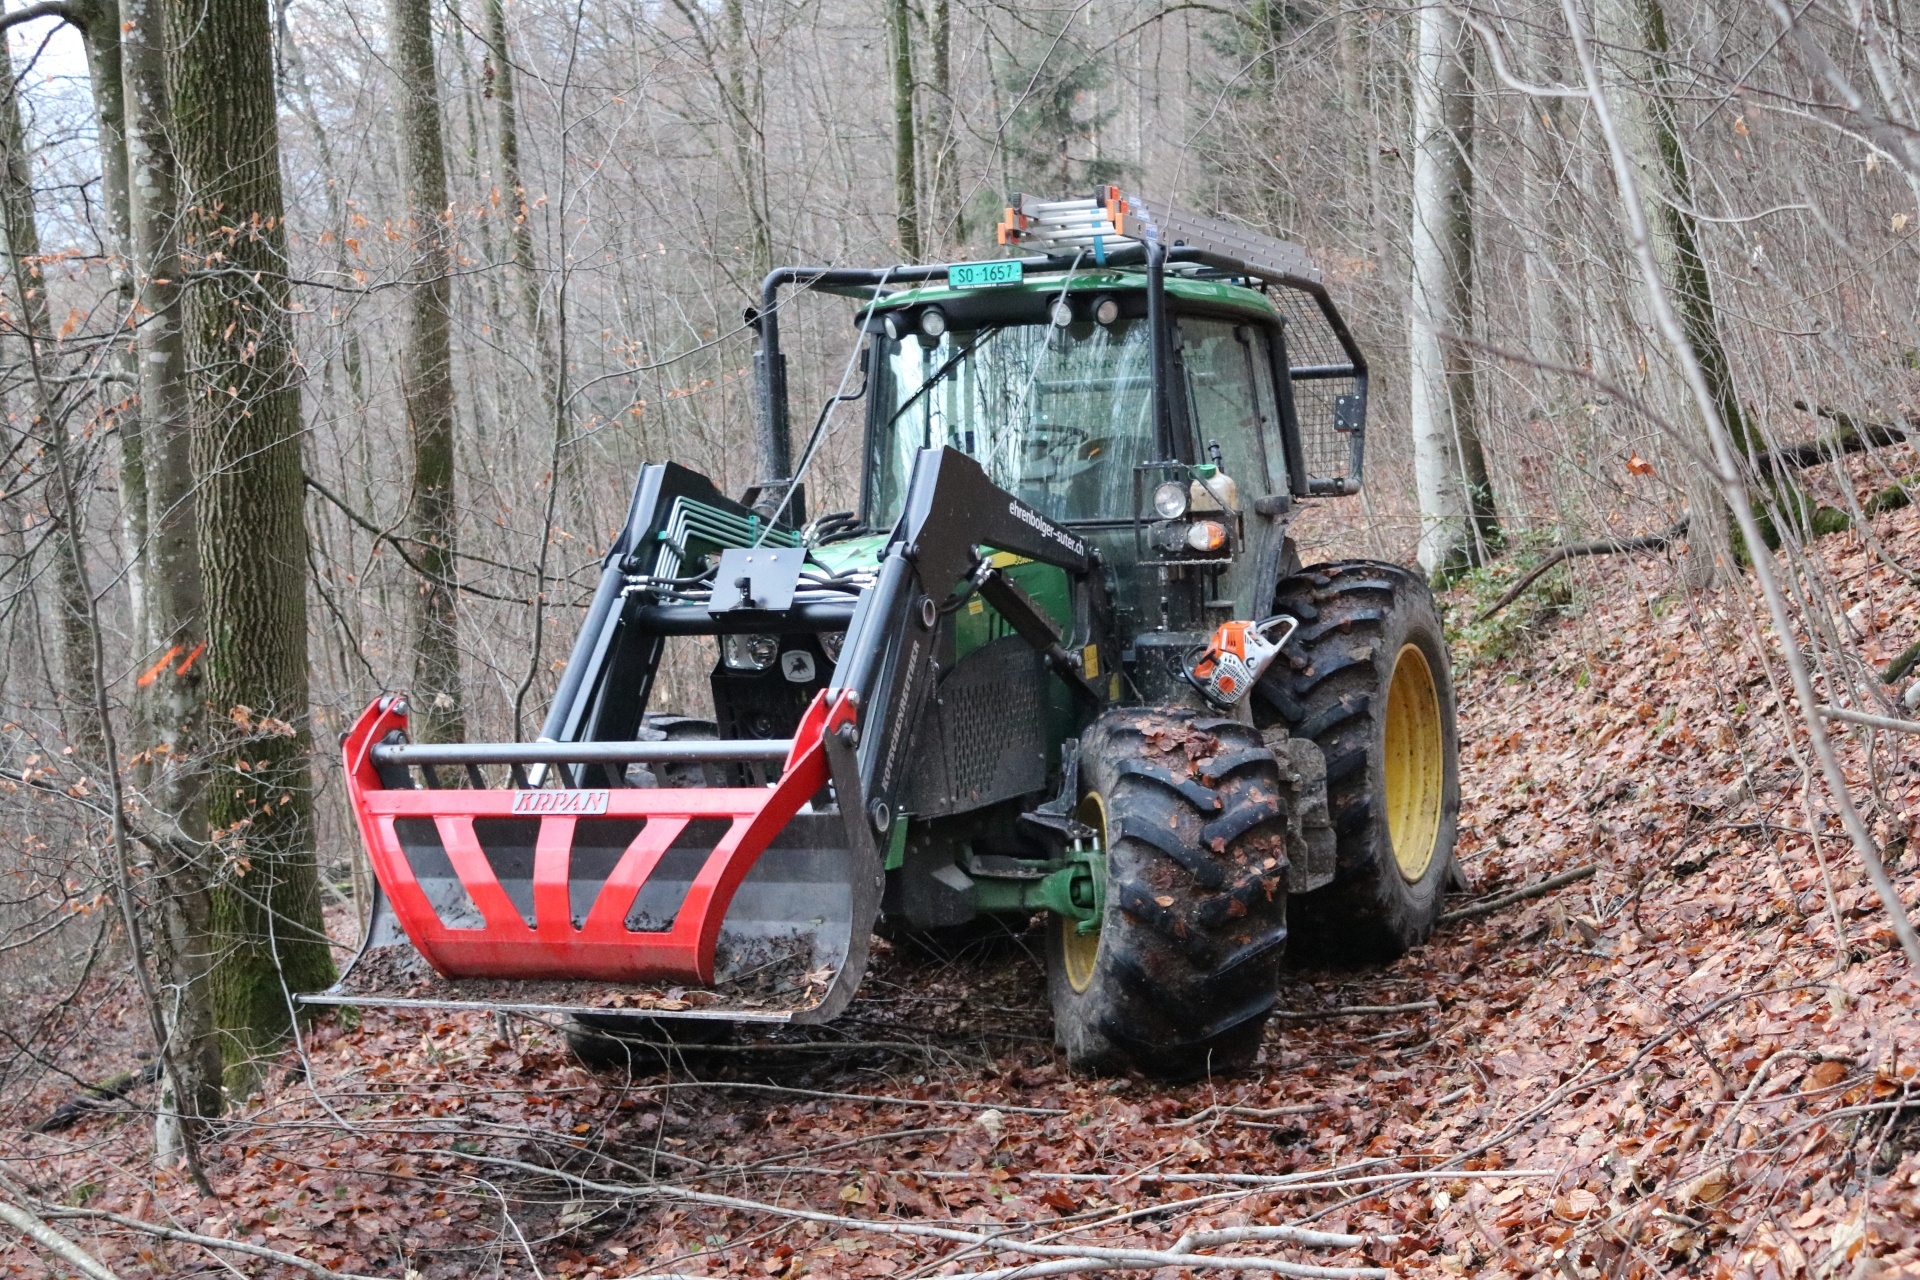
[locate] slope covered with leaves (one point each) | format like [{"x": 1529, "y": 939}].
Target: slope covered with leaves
[{"x": 1695, "y": 1061}]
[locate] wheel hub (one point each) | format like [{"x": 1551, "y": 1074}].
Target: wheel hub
[
  {"x": 1080, "y": 947},
  {"x": 1416, "y": 763}
]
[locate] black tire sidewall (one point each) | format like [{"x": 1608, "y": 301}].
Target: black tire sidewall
[
  {"x": 1370, "y": 912},
  {"x": 1150, "y": 1004}
]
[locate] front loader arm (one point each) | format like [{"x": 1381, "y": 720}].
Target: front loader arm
[{"x": 889, "y": 659}]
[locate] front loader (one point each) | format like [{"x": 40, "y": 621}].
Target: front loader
[{"x": 1063, "y": 661}]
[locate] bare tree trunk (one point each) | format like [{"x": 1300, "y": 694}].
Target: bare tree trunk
[
  {"x": 1549, "y": 327},
  {"x": 21, "y": 228},
  {"x": 252, "y": 515},
  {"x": 427, "y": 374},
  {"x": 174, "y": 698},
  {"x": 1350, "y": 50},
  {"x": 520, "y": 234},
  {"x": 1457, "y": 520},
  {"x": 906, "y": 189},
  {"x": 944, "y": 184},
  {"x": 99, "y": 23}
]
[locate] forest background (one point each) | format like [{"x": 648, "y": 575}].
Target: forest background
[{"x": 332, "y": 337}]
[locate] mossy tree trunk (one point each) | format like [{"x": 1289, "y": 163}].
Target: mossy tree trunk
[
  {"x": 245, "y": 412},
  {"x": 426, "y": 374},
  {"x": 1649, "y": 118},
  {"x": 906, "y": 188}
]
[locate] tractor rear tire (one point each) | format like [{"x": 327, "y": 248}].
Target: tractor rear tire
[
  {"x": 1181, "y": 976},
  {"x": 1366, "y": 677}
]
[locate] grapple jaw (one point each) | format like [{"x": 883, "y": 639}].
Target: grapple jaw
[{"x": 743, "y": 902}]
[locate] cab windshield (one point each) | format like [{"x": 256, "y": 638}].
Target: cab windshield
[{"x": 1057, "y": 416}]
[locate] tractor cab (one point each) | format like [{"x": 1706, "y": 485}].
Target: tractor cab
[{"x": 1049, "y": 384}]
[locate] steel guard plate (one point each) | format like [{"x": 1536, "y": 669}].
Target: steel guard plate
[{"x": 601, "y": 948}]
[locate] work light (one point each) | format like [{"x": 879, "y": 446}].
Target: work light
[
  {"x": 1170, "y": 500},
  {"x": 749, "y": 653}
]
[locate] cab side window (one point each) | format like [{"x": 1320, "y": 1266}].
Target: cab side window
[{"x": 1231, "y": 402}]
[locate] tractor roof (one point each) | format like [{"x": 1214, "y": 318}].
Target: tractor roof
[{"x": 1185, "y": 288}]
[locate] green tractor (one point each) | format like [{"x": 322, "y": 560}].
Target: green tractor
[{"x": 1062, "y": 659}]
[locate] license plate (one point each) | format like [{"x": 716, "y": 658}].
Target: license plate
[
  {"x": 559, "y": 803},
  {"x": 981, "y": 275}
]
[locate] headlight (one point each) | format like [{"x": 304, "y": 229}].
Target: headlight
[
  {"x": 1106, "y": 310},
  {"x": 1170, "y": 500},
  {"x": 933, "y": 322},
  {"x": 1207, "y": 535},
  {"x": 749, "y": 653},
  {"x": 895, "y": 324},
  {"x": 830, "y": 641},
  {"x": 1062, "y": 313}
]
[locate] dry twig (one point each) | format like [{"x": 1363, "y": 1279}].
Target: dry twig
[{"x": 1541, "y": 889}]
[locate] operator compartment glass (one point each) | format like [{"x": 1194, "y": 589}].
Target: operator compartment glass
[{"x": 1057, "y": 416}]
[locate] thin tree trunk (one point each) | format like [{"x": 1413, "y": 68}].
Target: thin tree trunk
[
  {"x": 746, "y": 102},
  {"x": 906, "y": 189},
  {"x": 426, "y": 373},
  {"x": 21, "y": 228},
  {"x": 1350, "y": 49},
  {"x": 514, "y": 191},
  {"x": 1458, "y": 524},
  {"x": 99, "y": 23},
  {"x": 174, "y": 699},
  {"x": 944, "y": 188},
  {"x": 1548, "y": 326},
  {"x": 246, "y": 447}
]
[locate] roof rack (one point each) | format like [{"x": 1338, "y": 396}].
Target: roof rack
[{"x": 1107, "y": 220}]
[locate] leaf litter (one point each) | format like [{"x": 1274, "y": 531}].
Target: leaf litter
[{"x": 1699, "y": 1061}]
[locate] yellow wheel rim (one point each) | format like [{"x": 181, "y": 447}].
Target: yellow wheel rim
[
  {"x": 1416, "y": 763},
  {"x": 1079, "y": 950}
]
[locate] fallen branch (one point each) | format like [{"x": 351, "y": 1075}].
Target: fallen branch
[
  {"x": 1090, "y": 1257},
  {"x": 1603, "y": 547},
  {"x": 1254, "y": 1113},
  {"x": 1003, "y": 1107},
  {"x": 1539, "y": 890},
  {"x": 1901, "y": 665},
  {"x": 1854, "y": 436},
  {"x": 205, "y": 1242},
  {"x": 47, "y": 1238},
  {"x": 1871, "y": 721},
  {"x": 1354, "y": 1010},
  {"x": 94, "y": 1096}
]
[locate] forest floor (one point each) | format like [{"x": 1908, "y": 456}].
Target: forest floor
[{"x": 1697, "y": 1061}]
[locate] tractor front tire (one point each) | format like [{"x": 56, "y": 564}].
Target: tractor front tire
[
  {"x": 1366, "y": 677},
  {"x": 1181, "y": 976}
]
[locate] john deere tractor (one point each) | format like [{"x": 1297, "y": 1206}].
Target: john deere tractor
[{"x": 1062, "y": 661}]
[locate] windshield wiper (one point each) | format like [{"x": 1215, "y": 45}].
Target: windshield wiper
[{"x": 953, "y": 362}]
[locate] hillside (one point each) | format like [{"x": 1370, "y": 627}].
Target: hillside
[{"x": 1694, "y": 1062}]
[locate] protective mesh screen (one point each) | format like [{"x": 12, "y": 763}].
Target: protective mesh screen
[{"x": 1312, "y": 345}]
